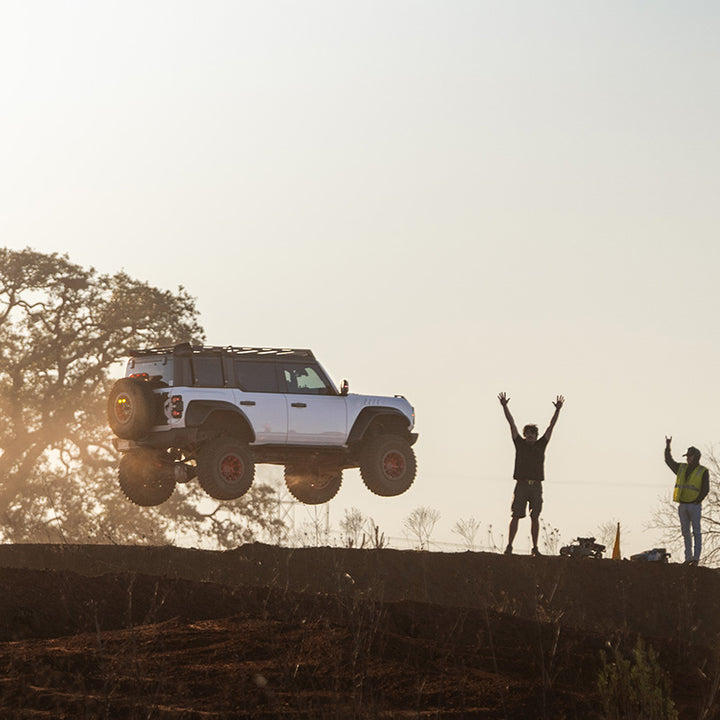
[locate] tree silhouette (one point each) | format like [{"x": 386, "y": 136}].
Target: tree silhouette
[{"x": 63, "y": 329}]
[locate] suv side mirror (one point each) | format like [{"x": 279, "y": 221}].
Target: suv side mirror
[{"x": 344, "y": 387}]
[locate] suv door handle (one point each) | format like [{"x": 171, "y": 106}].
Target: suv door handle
[
  {"x": 247, "y": 402},
  {"x": 298, "y": 404}
]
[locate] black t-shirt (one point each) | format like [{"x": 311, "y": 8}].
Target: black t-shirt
[{"x": 529, "y": 458}]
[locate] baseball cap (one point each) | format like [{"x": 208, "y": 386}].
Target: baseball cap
[{"x": 693, "y": 451}]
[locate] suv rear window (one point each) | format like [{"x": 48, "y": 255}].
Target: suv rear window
[
  {"x": 207, "y": 371},
  {"x": 153, "y": 367},
  {"x": 256, "y": 376}
]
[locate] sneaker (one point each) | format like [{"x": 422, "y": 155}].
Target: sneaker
[
  {"x": 508, "y": 550},
  {"x": 535, "y": 552},
  {"x": 690, "y": 562}
]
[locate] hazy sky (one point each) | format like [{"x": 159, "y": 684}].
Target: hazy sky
[{"x": 441, "y": 199}]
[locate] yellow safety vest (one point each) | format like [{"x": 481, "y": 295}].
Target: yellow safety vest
[{"x": 687, "y": 487}]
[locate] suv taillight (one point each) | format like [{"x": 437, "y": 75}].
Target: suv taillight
[
  {"x": 176, "y": 406},
  {"x": 140, "y": 376}
]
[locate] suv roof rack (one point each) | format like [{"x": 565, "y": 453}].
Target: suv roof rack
[{"x": 253, "y": 352}]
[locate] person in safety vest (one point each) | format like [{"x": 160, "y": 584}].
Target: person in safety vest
[
  {"x": 692, "y": 484},
  {"x": 529, "y": 472}
]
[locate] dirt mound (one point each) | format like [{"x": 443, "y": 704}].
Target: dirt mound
[{"x": 261, "y": 631}]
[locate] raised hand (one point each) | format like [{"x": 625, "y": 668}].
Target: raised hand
[
  {"x": 504, "y": 399},
  {"x": 668, "y": 440},
  {"x": 559, "y": 402}
]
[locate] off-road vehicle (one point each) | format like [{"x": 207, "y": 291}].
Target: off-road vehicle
[{"x": 214, "y": 412}]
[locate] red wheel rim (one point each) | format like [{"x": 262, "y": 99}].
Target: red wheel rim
[
  {"x": 123, "y": 408},
  {"x": 232, "y": 468},
  {"x": 393, "y": 465}
]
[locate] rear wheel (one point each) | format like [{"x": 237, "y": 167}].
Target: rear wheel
[
  {"x": 129, "y": 409},
  {"x": 312, "y": 485},
  {"x": 146, "y": 477},
  {"x": 225, "y": 468},
  {"x": 388, "y": 465}
]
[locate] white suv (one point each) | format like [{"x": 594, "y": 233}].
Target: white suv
[{"x": 213, "y": 412}]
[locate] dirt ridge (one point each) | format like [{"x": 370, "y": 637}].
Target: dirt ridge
[
  {"x": 264, "y": 632},
  {"x": 597, "y": 595}
]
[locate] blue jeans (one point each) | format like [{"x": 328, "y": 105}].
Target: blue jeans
[{"x": 689, "y": 514}]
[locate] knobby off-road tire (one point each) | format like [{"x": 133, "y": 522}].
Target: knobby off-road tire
[
  {"x": 129, "y": 409},
  {"x": 312, "y": 485},
  {"x": 225, "y": 468},
  {"x": 146, "y": 477},
  {"x": 388, "y": 465}
]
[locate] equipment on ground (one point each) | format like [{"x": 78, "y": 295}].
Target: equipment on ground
[
  {"x": 583, "y": 547},
  {"x": 654, "y": 555}
]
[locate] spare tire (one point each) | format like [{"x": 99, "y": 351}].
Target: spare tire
[{"x": 129, "y": 408}]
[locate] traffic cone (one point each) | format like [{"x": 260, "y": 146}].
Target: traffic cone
[{"x": 616, "y": 548}]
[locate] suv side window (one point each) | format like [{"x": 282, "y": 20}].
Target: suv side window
[
  {"x": 305, "y": 379},
  {"x": 207, "y": 371},
  {"x": 256, "y": 376}
]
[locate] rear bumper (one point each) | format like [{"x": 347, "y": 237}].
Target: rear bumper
[{"x": 178, "y": 437}]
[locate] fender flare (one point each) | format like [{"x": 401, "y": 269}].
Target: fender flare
[
  {"x": 367, "y": 416},
  {"x": 198, "y": 411}
]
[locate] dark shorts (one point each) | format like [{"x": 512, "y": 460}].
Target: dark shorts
[{"x": 527, "y": 493}]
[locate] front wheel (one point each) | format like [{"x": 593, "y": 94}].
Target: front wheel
[
  {"x": 225, "y": 468},
  {"x": 146, "y": 477},
  {"x": 388, "y": 465},
  {"x": 311, "y": 485}
]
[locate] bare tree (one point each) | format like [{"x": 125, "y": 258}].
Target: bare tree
[
  {"x": 420, "y": 525},
  {"x": 351, "y": 526},
  {"x": 467, "y": 530},
  {"x": 606, "y": 533},
  {"x": 315, "y": 532}
]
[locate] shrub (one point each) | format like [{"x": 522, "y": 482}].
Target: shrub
[{"x": 636, "y": 688}]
